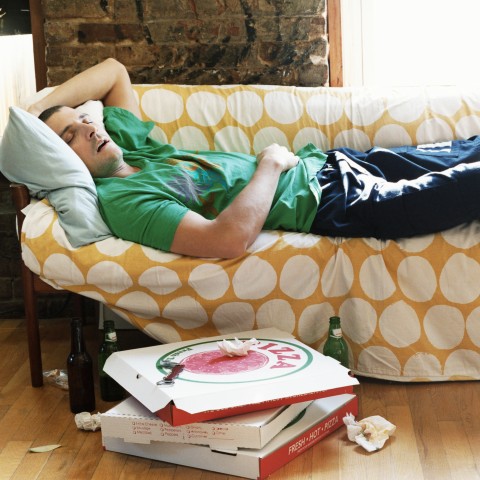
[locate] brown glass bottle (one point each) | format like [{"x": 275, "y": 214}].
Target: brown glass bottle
[
  {"x": 80, "y": 372},
  {"x": 110, "y": 390}
]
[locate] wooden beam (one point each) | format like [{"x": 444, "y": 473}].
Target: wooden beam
[
  {"x": 37, "y": 20},
  {"x": 334, "y": 30}
]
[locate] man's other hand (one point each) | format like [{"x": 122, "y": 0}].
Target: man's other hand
[{"x": 278, "y": 155}]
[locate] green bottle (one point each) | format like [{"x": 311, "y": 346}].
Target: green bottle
[
  {"x": 336, "y": 346},
  {"x": 110, "y": 390}
]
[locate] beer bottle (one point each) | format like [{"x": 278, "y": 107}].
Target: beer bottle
[
  {"x": 110, "y": 390},
  {"x": 336, "y": 346},
  {"x": 80, "y": 372}
]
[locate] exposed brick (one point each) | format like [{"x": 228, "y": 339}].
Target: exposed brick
[
  {"x": 203, "y": 31},
  {"x": 202, "y": 8},
  {"x": 7, "y": 223},
  {"x": 76, "y": 8},
  {"x": 5, "y": 288},
  {"x": 259, "y": 8},
  {"x": 299, "y": 7},
  {"x": 311, "y": 75},
  {"x": 60, "y": 32},
  {"x": 126, "y": 11},
  {"x": 6, "y": 204},
  {"x": 110, "y": 32},
  {"x": 10, "y": 265},
  {"x": 239, "y": 40},
  {"x": 290, "y": 29},
  {"x": 135, "y": 55},
  {"x": 298, "y": 53},
  {"x": 17, "y": 288},
  {"x": 301, "y": 28},
  {"x": 156, "y": 9},
  {"x": 11, "y": 308},
  {"x": 280, "y": 53},
  {"x": 233, "y": 7},
  {"x": 78, "y": 57},
  {"x": 217, "y": 76}
]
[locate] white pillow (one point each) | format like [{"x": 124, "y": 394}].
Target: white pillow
[{"x": 33, "y": 154}]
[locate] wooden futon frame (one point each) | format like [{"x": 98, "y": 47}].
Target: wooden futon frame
[{"x": 33, "y": 287}]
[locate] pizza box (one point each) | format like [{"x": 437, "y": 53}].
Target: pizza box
[
  {"x": 278, "y": 370},
  {"x": 131, "y": 421},
  {"x": 321, "y": 417}
]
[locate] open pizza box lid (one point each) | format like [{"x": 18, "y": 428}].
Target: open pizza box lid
[{"x": 278, "y": 370}]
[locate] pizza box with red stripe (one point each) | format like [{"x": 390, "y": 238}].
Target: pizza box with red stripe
[
  {"x": 193, "y": 381},
  {"x": 320, "y": 418},
  {"x": 133, "y": 422}
]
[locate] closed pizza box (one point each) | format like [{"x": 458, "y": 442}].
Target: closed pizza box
[
  {"x": 131, "y": 421},
  {"x": 207, "y": 384},
  {"x": 321, "y": 418}
]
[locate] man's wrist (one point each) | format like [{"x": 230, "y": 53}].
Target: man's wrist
[{"x": 34, "y": 109}]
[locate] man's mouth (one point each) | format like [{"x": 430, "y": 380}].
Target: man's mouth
[{"x": 101, "y": 145}]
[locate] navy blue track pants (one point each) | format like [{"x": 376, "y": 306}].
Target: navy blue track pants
[{"x": 399, "y": 192}]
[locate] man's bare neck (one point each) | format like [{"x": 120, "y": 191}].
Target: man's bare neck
[{"x": 124, "y": 170}]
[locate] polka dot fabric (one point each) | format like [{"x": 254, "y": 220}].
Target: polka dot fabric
[{"x": 410, "y": 309}]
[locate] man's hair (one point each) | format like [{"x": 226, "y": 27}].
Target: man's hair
[{"x": 46, "y": 114}]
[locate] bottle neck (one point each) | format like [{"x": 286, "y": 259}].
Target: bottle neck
[
  {"x": 335, "y": 330},
  {"x": 110, "y": 335},
  {"x": 77, "y": 341}
]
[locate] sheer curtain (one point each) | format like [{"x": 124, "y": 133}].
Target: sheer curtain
[
  {"x": 410, "y": 42},
  {"x": 17, "y": 73}
]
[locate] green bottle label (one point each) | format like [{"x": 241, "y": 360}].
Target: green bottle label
[
  {"x": 111, "y": 337},
  {"x": 336, "y": 333}
]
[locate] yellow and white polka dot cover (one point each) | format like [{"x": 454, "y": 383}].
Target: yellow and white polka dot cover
[{"x": 410, "y": 309}]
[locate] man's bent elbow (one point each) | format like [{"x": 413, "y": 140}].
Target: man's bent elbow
[
  {"x": 235, "y": 251},
  {"x": 235, "y": 248}
]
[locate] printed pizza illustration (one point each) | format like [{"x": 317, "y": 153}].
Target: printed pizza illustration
[
  {"x": 204, "y": 362},
  {"x": 215, "y": 362}
]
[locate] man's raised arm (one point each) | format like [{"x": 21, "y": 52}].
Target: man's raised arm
[{"x": 107, "y": 81}]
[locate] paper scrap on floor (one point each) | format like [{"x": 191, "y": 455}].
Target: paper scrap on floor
[{"x": 371, "y": 433}]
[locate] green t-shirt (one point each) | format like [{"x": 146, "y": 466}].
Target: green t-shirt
[{"x": 147, "y": 207}]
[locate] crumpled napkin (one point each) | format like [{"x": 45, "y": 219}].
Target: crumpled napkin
[
  {"x": 371, "y": 433},
  {"x": 86, "y": 421},
  {"x": 236, "y": 348}
]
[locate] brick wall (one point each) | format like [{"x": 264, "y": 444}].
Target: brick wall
[
  {"x": 11, "y": 304},
  {"x": 191, "y": 41},
  {"x": 280, "y": 42}
]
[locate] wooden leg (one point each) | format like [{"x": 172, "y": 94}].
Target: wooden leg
[{"x": 33, "y": 330}]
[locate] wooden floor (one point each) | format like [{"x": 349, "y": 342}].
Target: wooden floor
[{"x": 437, "y": 437}]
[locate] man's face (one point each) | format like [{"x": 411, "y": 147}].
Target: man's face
[{"x": 88, "y": 140}]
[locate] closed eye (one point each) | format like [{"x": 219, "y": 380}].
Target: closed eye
[{"x": 68, "y": 135}]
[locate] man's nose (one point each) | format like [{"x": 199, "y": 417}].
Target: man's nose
[{"x": 91, "y": 129}]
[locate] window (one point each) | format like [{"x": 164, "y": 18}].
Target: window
[
  {"x": 410, "y": 42},
  {"x": 17, "y": 76}
]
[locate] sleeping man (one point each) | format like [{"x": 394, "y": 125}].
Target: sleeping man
[{"x": 214, "y": 204}]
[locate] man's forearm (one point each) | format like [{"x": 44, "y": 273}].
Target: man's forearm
[
  {"x": 247, "y": 214},
  {"x": 108, "y": 81},
  {"x": 238, "y": 225}
]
